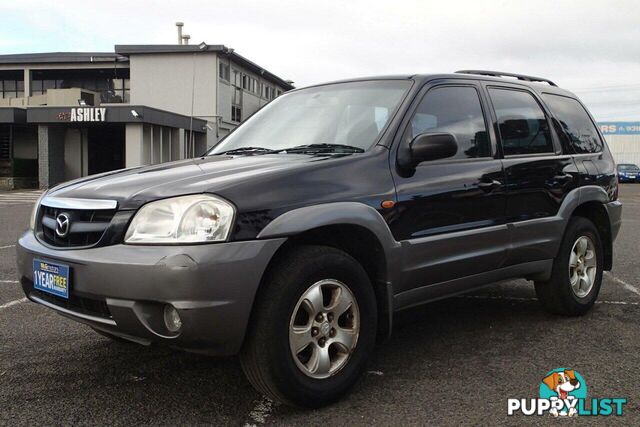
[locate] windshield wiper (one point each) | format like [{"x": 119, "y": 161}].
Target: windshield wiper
[
  {"x": 323, "y": 148},
  {"x": 307, "y": 148},
  {"x": 248, "y": 150}
]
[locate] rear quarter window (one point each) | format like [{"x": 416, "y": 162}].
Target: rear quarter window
[{"x": 576, "y": 130}]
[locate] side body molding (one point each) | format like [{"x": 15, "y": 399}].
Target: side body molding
[{"x": 531, "y": 245}]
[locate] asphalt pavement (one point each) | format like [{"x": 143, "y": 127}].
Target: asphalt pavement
[{"x": 451, "y": 362}]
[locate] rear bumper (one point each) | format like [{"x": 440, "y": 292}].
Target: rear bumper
[{"x": 122, "y": 289}]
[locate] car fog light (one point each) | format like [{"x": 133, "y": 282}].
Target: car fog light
[{"x": 172, "y": 318}]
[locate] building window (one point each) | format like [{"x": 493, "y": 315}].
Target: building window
[
  {"x": 121, "y": 88},
  {"x": 268, "y": 92},
  {"x": 236, "y": 113},
  {"x": 250, "y": 84},
  {"x": 112, "y": 85},
  {"x": 11, "y": 88},
  {"x": 237, "y": 78},
  {"x": 224, "y": 71},
  {"x": 11, "y": 84},
  {"x": 236, "y": 98},
  {"x": 110, "y": 90}
]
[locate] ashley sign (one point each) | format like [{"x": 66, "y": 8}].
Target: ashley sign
[{"x": 83, "y": 114}]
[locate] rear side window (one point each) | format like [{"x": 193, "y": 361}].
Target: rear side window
[
  {"x": 456, "y": 110},
  {"x": 523, "y": 126},
  {"x": 577, "y": 131}
]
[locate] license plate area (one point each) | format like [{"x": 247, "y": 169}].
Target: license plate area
[{"x": 52, "y": 278}]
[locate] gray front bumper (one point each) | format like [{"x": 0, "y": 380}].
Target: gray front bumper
[{"x": 212, "y": 286}]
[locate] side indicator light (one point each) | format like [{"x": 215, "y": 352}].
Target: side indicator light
[{"x": 387, "y": 204}]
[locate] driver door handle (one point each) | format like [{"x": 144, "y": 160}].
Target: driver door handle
[
  {"x": 563, "y": 177},
  {"x": 489, "y": 185}
]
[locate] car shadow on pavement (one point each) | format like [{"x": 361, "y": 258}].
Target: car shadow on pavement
[
  {"x": 73, "y": 375},
  {"x": 439, "y": 355},
  {"x": 205, "y": 389},
  {"x": 466, "y": 352}
]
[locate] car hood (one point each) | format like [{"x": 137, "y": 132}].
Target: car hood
[{"x": 133, "y": 187}]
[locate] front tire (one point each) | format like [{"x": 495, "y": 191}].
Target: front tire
[
  {"x": 577, "y": 271},
  {"x": 313, "y": 327}
]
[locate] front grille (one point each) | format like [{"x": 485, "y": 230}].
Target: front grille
[
  {"x": 88, "y": 306},
  {"x": 86, "y": 227}
]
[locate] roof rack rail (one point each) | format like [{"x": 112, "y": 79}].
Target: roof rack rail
[{"x": 501, "y": 74}]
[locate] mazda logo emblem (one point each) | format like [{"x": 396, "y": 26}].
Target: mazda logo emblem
[{"x": 62, "y": 225}]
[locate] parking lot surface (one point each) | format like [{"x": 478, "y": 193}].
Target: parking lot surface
[{"x": 451, "y": 362}]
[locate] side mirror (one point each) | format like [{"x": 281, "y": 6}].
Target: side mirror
[{"x": 432, "y": 146}]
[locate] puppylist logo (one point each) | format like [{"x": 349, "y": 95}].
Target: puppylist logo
[{"x": 563, "y": 393}]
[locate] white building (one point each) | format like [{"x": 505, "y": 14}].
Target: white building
[
  {"x": 66, "y": 115},
  {"x": 623, "y": 139}
]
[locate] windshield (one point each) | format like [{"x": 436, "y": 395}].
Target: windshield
[
  {"x": 341, "y": 117},
  {"x": 628, "y": 167}
]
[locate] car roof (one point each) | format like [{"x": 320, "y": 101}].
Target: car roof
[{"x": 537, "y": 86}]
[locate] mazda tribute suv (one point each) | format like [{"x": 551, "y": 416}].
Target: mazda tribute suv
[{"x": 294, "y": 240}]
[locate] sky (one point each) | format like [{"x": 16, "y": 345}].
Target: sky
[{"x": 589, "y": 47}]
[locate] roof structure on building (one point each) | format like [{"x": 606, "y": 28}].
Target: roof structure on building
[{"x": 61, "y": 57}]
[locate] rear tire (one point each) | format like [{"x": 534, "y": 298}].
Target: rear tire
[
  {"x": 577, "y": 271},
  {"x": 294, "y": 356}
]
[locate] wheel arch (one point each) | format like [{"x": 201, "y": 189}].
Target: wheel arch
[
  {"x": 589, "y": 202},
  {"x": 595, "y": 212},
  {"x": 355, "y": 228}
]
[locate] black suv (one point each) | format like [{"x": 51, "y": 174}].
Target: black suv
[{"x": 294, "y": 240}]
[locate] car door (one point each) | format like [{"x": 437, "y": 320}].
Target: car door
[
  {"x": 538, "y": 174},
  {"x": 450, "y": 213}
]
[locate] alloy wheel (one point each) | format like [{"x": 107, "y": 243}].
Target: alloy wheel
[
  {"x": 583, "y": 266},
  {"x": 324, "y": 328}
]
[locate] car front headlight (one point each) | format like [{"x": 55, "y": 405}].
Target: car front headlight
[
  {"x": 34, "y": 212},
  {"x": 197, "y": 218}
]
